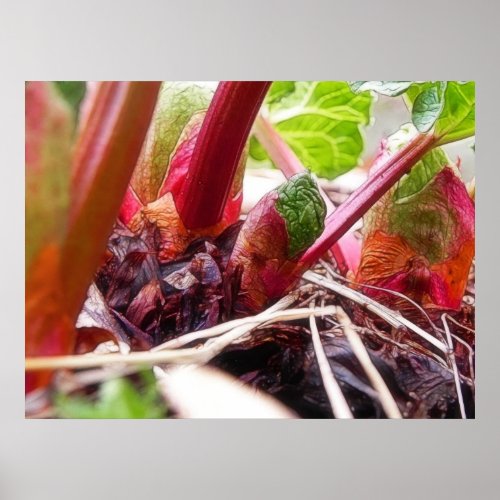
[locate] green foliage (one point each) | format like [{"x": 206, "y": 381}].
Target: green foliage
[
  {"x": 117, "y": 398},
  {"x": 177, "y": 103},
  {"x": 423, "y": 171},
  {"x": 421, "y": 174},
  {"x": 427, "y": 107},
  {"x": 73, "y": 92},
  {"x": 301, "y": 205},
  {"x": 387, "y": 88},
  {"x": 320, "y": 121},
  {"x": 458, "y": 118},
  {"x": 446, "y": 107}
]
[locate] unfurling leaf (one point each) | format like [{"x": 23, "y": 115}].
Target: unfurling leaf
[
  {"x": 163, "y": 213},
  {"x": 276, "y": 232},
  {"x": 421, "y": 245},
  {"x": 177, "y": 103},
  {"x": 303, "y": 209}
]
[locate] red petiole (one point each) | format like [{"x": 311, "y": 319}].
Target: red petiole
[{"x": 217, "y": 152}]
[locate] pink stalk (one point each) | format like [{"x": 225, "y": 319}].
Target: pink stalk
[
  {"x": 217, "y": 151},
  {"x": 347, "y": 250},
  {"x": 361, "y": 200},
  {"x": 105, "y": 156}
]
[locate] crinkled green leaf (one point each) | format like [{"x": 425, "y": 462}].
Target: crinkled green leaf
[
  {"x": 303, "y": 208},
  {"x": 117, "y": 398},
  {"x": 428, "y": 106},
  {"x": 177, "y": 103},
  {"x": 457, "y": 117},
  {"x": 321, "y": 122},
  {"x": 388, "y": 88}
]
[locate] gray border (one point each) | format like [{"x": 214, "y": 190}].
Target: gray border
[{"x": 267, "y": 39}]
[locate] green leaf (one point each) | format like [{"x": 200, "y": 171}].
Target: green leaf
[
  {"x": 177, "y": 103},
  {"x": 428, "y": 106},
  {"x": 117, "y": 398},
  {"x": 388, "y": 88},
  {"x": 458, "y": 118},
  {"x": 278, "y": 92},
  {"x": 423, "y": 171},
  {"x": 321, "y": 122},
  {"x": 73, "y": 92},
  {"x": 421, "y": 174},
  {"x": 303, "y": 208}
]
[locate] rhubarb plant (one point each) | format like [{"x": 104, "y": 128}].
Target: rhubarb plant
[
  {"x": 73, "y": 193},
  {"x": 197, "y": 183},
  {"x": 419, "y": 238},
  {"x": 275, "y": 234},
  {"x": 133, "y": 201}
]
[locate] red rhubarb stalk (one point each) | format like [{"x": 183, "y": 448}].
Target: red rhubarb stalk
[
  {"x": 105, "y": 156},
  {"x": 217, "y": 152},
  {"x": 347, "y": 250},
  {"x": 363, "y": 198}
]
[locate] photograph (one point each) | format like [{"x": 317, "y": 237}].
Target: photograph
[{"x": 249, "y": 249}]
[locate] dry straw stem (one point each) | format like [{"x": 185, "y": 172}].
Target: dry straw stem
[
  {"x": 386, "y": 400},
  {"x": 334, "y": 275},
  {"x": 453, "y": 363},
  {"x": 395, "y": 319},
  {"x": 217, "y": 330},
  {"x": 180, "y": 356},
  {"x": 339, "y": 405}
]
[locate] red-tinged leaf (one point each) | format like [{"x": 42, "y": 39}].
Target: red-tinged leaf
[
  {"x": 48, "y": 139},
  {"x": 130, "y": 206},
  {"x": 421, "y": 246},
  {"x": 363, "y": 198},
  {"x": 347, "y": 250},
  {"x": 173, "y": 235},
  {"x": 163, "y": 213},
  {"x": 181, "y": 158},
  {"x": 177, "y": 103},
  {"x": 276, "y": 232},
  {"x": 259, "y": 254},
  {"x": 49, "y": 331},
  {"x": 105, "y": 156},
  {"x": 179, "y": 168}
]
